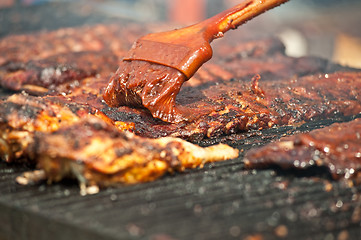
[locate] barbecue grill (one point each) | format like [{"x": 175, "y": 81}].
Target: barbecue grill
[{"x": 221, "y": 200}]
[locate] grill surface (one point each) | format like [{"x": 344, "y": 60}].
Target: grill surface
[{"x": 220, "y": 201}]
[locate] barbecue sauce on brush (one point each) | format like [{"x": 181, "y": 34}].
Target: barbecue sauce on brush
[
  {"x": 149, "y": 85},
  {"x": 154, "y": 70}
]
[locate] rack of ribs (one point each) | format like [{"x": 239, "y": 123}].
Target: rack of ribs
[
  {"x": 226, "y": 95},
  {"x": 40, "y": 76},
  {"x": 238, "y": 105},
  {"x": 39, "y": 45}
]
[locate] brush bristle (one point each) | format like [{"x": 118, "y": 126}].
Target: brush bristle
[{"x": 149, "y": 85}]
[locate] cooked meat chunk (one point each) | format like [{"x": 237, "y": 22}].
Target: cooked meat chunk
[
  {"x": 50, "y": 72},
  {"x": 35, "y": 46},
  {"x": 337, "y": 147},
  {"x": 97, "y": 153},
  {"x": 21, "y": 115}
]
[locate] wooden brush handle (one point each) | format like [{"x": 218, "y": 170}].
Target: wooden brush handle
[
  {"x": 188, "y": 48},
  {"x": 216, "y": 26}
]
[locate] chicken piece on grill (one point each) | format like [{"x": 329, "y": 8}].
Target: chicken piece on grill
[
  {"x": 337, "y": 147},
  {"x": 95, "y": 152},
  {"x": 22, "y": 115}
]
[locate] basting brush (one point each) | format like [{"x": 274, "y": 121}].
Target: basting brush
[{"x": 157, "y": 65}]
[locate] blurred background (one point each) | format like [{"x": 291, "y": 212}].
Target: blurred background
[{"x": 327, "y": 28}]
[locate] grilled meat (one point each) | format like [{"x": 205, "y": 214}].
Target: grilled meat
[
  {"x": 255, "y": 87},
  {"x": 27, "y": 47},
  {"x": 22, "y": 115},
  {"x": 46, "y": 74},
  {"x": 238, "y": 105},
  {"x": 97, "y": 153},
  {"x": 337, "y": 147},
  {"x": 225, "y": 100},
  {"x": 222, "y": 96}
]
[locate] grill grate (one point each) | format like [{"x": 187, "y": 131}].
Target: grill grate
[{"x": 220, "y": 201}]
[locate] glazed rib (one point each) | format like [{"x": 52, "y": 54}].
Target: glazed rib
[
  {"x": 28, "y": 47},
  {"x": 223, "y": 107},
  {"x": 46, "y": 74},
  {"x": 337, "y": 147},
  {"x": 238, "y": 105}
]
